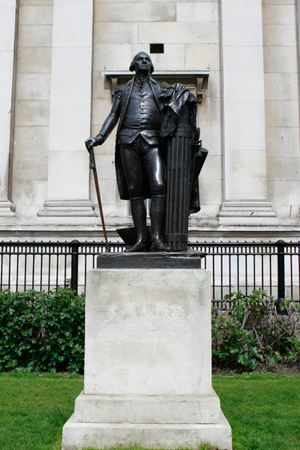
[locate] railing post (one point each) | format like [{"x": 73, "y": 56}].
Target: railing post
[
  {"x": 74, "y": 265},
  {"x": 280, "y": 270}
]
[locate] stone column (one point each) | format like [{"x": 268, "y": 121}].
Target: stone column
[
  {"x": 244, "y": 145},
  {"x": 8, "y": 26},
  {"x": 70, "y": 109}
]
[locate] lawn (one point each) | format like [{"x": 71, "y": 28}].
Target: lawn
[
  {"x": 33, "y": 410},
  {"x": 263, "y": 410}
]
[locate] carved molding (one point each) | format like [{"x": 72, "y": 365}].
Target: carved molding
[
  {"x": 60, "y": 208},
  {"x": 247, "y": 208},
  {"x": 196, "y": 81}
]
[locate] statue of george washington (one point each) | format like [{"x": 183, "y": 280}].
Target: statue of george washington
[
  {"x": 140, "y": 166},
  {"x": 139, "y": 107}
]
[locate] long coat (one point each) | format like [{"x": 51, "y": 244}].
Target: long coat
[{"x": 121, "y": 99}]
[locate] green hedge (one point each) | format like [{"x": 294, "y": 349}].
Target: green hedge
[
  {"x": 42, "y": 331},
  {"x": 255, "y": 329}
]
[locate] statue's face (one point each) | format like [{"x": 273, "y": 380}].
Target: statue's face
[{"x": 142, "y": 62}]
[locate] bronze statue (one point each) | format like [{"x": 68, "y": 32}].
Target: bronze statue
[{"x": 140, "y": 106}]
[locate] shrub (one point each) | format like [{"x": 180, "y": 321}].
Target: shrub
[
  {"x": 42, "y": 331},
  {"x": 255, "y": 329}
]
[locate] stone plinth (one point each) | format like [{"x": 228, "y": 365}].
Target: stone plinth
[{"x": 147, "y": 363}]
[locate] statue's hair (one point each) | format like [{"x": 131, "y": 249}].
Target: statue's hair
[{"x": 132, "y": 65}]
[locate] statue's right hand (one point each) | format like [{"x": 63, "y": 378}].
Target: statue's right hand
[
  {"x": 93, "y": 142},
  {"x": 89, "y": 143}
]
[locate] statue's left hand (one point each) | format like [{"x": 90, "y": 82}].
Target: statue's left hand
[{"x": 179, "y": 87}]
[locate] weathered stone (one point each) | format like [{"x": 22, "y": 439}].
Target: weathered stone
[{"x": 147, "y": 362}]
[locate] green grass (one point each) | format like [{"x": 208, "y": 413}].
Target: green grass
[
  {"x": 263, "y": 410},
  {"x": 33, "y": 410}
]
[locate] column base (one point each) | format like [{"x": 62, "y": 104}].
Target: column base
[
  {"x": 60, "y": 208},
  {"x": 7, "y": 208},
  {"x": 247, "y": 208}
]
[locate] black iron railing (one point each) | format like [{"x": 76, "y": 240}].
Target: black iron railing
[{"x": 272, "y": 266}]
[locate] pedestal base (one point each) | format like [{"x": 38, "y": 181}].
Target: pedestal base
[
  {"x": 147, "y": 362},
  {"x": 147, "y": 409},
  {"x": 171, "y": 436}
]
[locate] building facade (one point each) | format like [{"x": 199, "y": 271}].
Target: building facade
[{"x": 60, "y": 63}]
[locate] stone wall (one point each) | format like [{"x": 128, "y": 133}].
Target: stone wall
[{"x": 56, "y": 93}]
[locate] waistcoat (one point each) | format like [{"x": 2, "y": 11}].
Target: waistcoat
[{"x": 142, "y": 112}]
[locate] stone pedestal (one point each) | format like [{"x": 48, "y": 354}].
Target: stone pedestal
[{"x": 147, "y": 362}]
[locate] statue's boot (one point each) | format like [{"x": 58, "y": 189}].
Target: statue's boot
[
  {"x": 157, "y": 215},
  {"x": 138, "y": 212}
]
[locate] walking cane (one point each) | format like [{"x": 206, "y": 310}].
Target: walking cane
[{"x": 93, "y": 167}]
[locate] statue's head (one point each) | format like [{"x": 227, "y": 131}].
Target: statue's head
[{"x": 141, "y": 63}]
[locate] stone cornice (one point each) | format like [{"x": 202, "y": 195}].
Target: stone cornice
[{"x": 195, "y": 80}]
